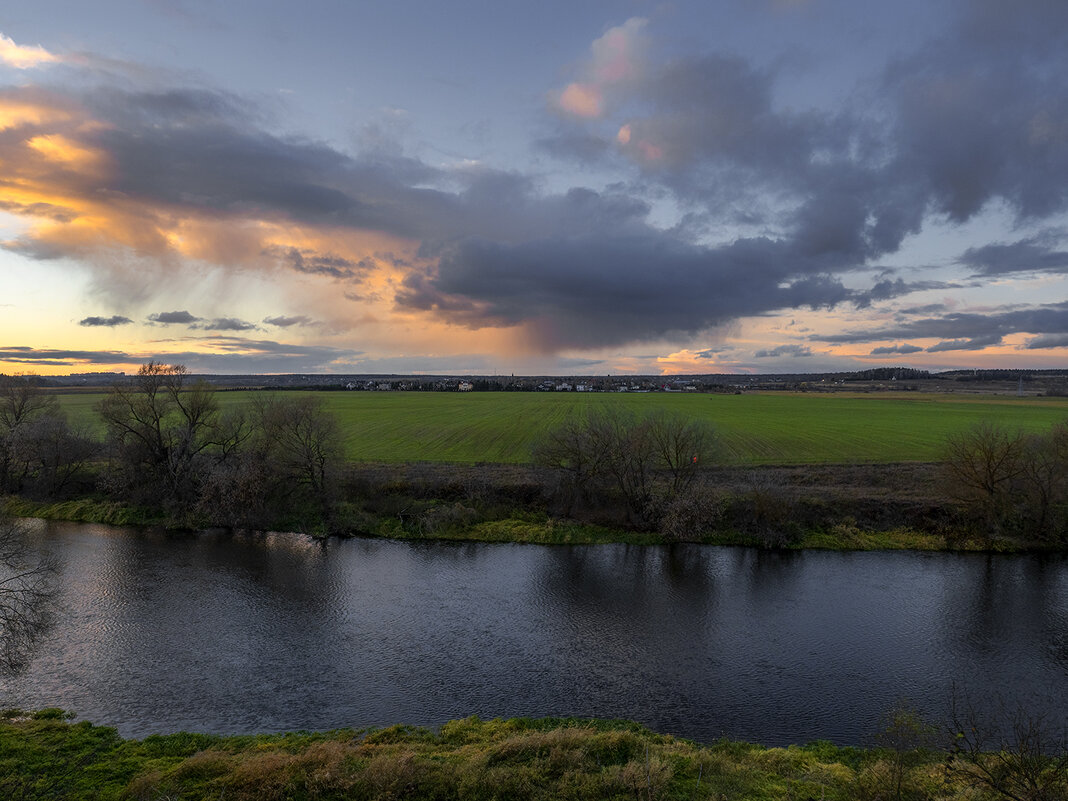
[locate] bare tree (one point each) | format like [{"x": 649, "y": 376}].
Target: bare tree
[
  {"x": 981, "y": 466},
  {"x": 646, "y": 460},
  {"x": 1013, "y": 753},
  {"x": 51, "y": 453},
  {"x": 299, "y": 441},
  {"x": 165, "y": 431},
  {"x": 27, "y": 590},
  {"x": 1043, "y": 484},
  {"x": 22, "y": 401}
]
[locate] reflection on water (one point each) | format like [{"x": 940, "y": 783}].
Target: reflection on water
[{"x": 226, "y": 633}]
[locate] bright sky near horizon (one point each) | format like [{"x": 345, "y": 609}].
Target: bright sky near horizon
[{"x": 531, "y": 188}]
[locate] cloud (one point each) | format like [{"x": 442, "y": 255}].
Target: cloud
[
  {"x": 1047, "y": 341},
  {"x": 593, "y": 291},
  {"x": 1032, "y": 255},
  {"x": 616, "y": 61},
  {"x": 60, "y": 358},
  {"x": 903, "y": 349},
  {"x": 795, "y": 351},
  {"x": 23, "y": 57},
  {"x": 166, "y": 318},
  {"x": 109, "y": 322},
  {"x": 975, "y": 343},
  {"x": 212, "y": 354},
  {"x": 305, "y": 260},
  {"x": 225, "y": 324},
  {"x": 776, "y": 202},
  {"x": 285, "y": 322},
  {"x": 965, "y": 330},
  {"x": 888, "y": 289}
]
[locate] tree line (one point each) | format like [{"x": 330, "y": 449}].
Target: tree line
[{"x": 169, "y": 446}]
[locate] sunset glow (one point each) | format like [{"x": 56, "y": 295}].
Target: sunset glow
[{"x": 665, "y": 193}]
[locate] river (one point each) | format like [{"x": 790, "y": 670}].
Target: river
[{"x": 219, "y": 632}]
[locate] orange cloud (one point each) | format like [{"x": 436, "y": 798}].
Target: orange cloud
[{"x": 582, "y": 100}]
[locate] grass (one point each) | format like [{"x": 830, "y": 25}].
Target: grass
[
  {"x": 44, "y": 756},
  {"x": 756, "y": 429}
]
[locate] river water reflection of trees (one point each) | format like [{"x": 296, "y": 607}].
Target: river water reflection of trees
[{"x": 228, "y": 633}]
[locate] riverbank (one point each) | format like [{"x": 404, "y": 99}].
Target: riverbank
[
  {"x": 44, "y": 756},
  {"x": 859, "y": 507}
]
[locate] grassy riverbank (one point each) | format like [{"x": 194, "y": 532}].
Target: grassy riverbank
[
  {"x": 43, "y": 756},
  {"x": 533, "y": 529},
  {"x": 837, "y": 507}
]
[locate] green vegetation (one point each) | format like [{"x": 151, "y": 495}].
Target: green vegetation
[
  {"x": 775, "y": 470},
  {"x": 44, "y": 756},
  {"x": 765, "y": 428}
]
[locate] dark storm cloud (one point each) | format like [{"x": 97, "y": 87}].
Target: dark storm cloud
[
  {"x": 966, "y": 330},
  {"x": 903, "y": 349},
  {"x": 595, "y": 292},
  {"x": 795, "y": 351},
  {"x": 167, "y": 318},
  {"x": 1033, "y": 255},
  {"x": 108, "y": 322},
  {"x": 981, "y": 111}
]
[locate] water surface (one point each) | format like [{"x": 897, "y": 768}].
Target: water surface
[{"x": 228, "y": 633}]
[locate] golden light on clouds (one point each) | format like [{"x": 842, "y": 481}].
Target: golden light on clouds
[
  {"x": 57, "y": 148},
  {"x": 23, "y": 57}
]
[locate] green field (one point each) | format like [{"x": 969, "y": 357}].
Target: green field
[{"x": 765, "y": 428}]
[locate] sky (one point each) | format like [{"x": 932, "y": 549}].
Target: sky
[{"x": 720, "y": 186}]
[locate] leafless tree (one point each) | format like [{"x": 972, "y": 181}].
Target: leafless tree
[
  {"x": 164, "y": 432},
  {"x": 647, "y": 460},
  {"x": 981, "y": 466},
  {"x": 1043, "y": 484},
  {"x": 299, "y": 441},
  {"x": 1012, "y": 752},
  {"x": 27, "y": 591},
  {"x": 21, "y": 402}
]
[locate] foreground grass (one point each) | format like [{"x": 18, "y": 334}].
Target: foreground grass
[
  {"x": 756, "y": 429},
  {"x": 43, "y": 756}
]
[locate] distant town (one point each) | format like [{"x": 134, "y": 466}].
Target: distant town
[{"x": 881, "y": 379}]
